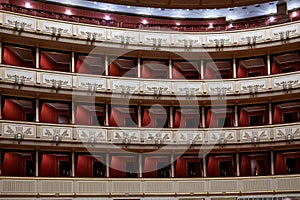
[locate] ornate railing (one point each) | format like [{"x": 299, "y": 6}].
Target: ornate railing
[{"x": 135, "y": 39}]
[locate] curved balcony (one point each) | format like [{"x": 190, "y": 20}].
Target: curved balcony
[
  {"x": 83, "y": 84},
  {"x": 110, "y": 37},
  {"x": 192, "y": 188},
  {"x": 27, "y": 132}
]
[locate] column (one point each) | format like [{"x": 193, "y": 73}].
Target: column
[
  {"x": 234, "y": 66},
  {"x": 37, "y": 57},
  {"x": 139, "y": 66},
  {"x": 106, "y": 115},
  {"x": 140, "y": 165},
  {"x": 237, "y": 164},
  {"x": 203, "y": 117},
  {"x": 73, "y": 62},
  {"x": 170, "y": 69},
  {"x": 202, "y": 69},
  {"x": 36, "y": 162},
  {"x": 204, "y": 165},
  {"x": 73, "y": 113},
  {"x": 270, "y": 114},
  {"x": 272, "y": 162},
  {"x": 107, "y": 165},
  {"x": 172, "y": 166},
  {"x": 171, "y": 116},
  {"x": 1, "y": 52},
  {"x": 0, "y": 158},
  {"x": 269, "y": 64},
  {"x": 140, "y": 116},
  {"x": 0, "y": 107},
  {"x": 73, "y": 164},
  {"x": 106, "y": 65},
  {"x": 236, "y": 116},
  {"x": 37, "y": 110}
]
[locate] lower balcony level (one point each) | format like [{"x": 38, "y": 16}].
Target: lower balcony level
[{"x": 15, "y": 187}]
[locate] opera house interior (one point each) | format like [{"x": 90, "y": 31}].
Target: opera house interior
[{"x": 144, "y": 100}]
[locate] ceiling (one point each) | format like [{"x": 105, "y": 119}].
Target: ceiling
[
  {"x": 231, "y": 13},
  {"x": 185, "y": 4}
]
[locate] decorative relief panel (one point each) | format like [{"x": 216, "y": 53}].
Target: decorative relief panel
[
  {"x": 188, "y": 88},
  {"x": 222, "y": 137},
  {"x": 190, "y": 137},
  {"x": 187, "y": 40},
  {"x": 56, "y": 28},
  {"x": 158, "y": 137},
  {"x": 126, "y": 136},
  {"x": 284, "y": 32},
  {"x": 287, "y": 133},
  {"x": 218, "y": 88},
  {"x": 125, "y": 37},
  {"x": 64, "y": 133},
  {"x": 255, "y": 135},
  {"x": 91, "y": 33},
  {"x": 20, "y": 76},
  {"x": 253, "y": 86},
  {"x": 20, "y": 23},
  {"x": 286, "y": 82},
  {"x": 126, "y": 86},
  {"x": 156, "y": 39},
  {"x": 91, "y": 134},
  {"x": 56, "y": 80},
  {"x": 11, "y": 130},
  {"x": 219, "y": 39},
  {"x": 157, "y": 87},
  {"x": 252, "y": 37},
  {"x": 91, "y": 83}
]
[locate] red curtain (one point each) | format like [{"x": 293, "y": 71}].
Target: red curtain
[
  {"x": 280, "y": 167},
  {"x": 275, "y": 68},
  {"x": 10, "y": 58},
  {"x": 212, "y": 118},
  {"x": 179, "y": 121},
  {"x": 14, "y": 164},
  {"x": 118, "y": 166},
  {"x": 150, "y": 165},
  {"x": 241, "y": 72},
  {"x": 245, "y": 169},
  {"x": 83, "y": 116},
  {"x": 213, "y": 167},
  {"x": 181, "y": 166},
  {"x": 48, "y": 114},
  {"x": 12, "y": 111},
  {"x": 177, "y": 74},
  {"x": 50, "y": 165},
  {"x": 84, "y": 167}
]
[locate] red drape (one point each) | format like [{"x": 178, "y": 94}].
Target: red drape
[
  {"x": 48, "y": 114},
  {"x": 118, "y": 166},
  {"x": 83, "y": 116},
  {"x": 14, "y": 164},
  {"x": 84, "y": 167},
  {"x": 12, "y": 111},
  {"x": 50, "y": 165},
  {"x": 10, "y": 58},
  {"x": 212, "y": 167},
  {"x": 150, "y": 165},
  {"x": 181, "y": 166}
]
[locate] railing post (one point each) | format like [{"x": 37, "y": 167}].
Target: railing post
[
  {"x": 36, "y": 163},
  {"x": 269, "y": 63},
  {"x": 237, "y": 164},
  {"x": 73, "y": 62},
  {"x": 202, "y": 69},
  {"x": 234, "y": 66},
  {"x": 37, "y": 110},
  {"x": 37, "y": 57}
]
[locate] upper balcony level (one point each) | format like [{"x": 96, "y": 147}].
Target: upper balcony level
[{"x": 135, "y": 39}]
